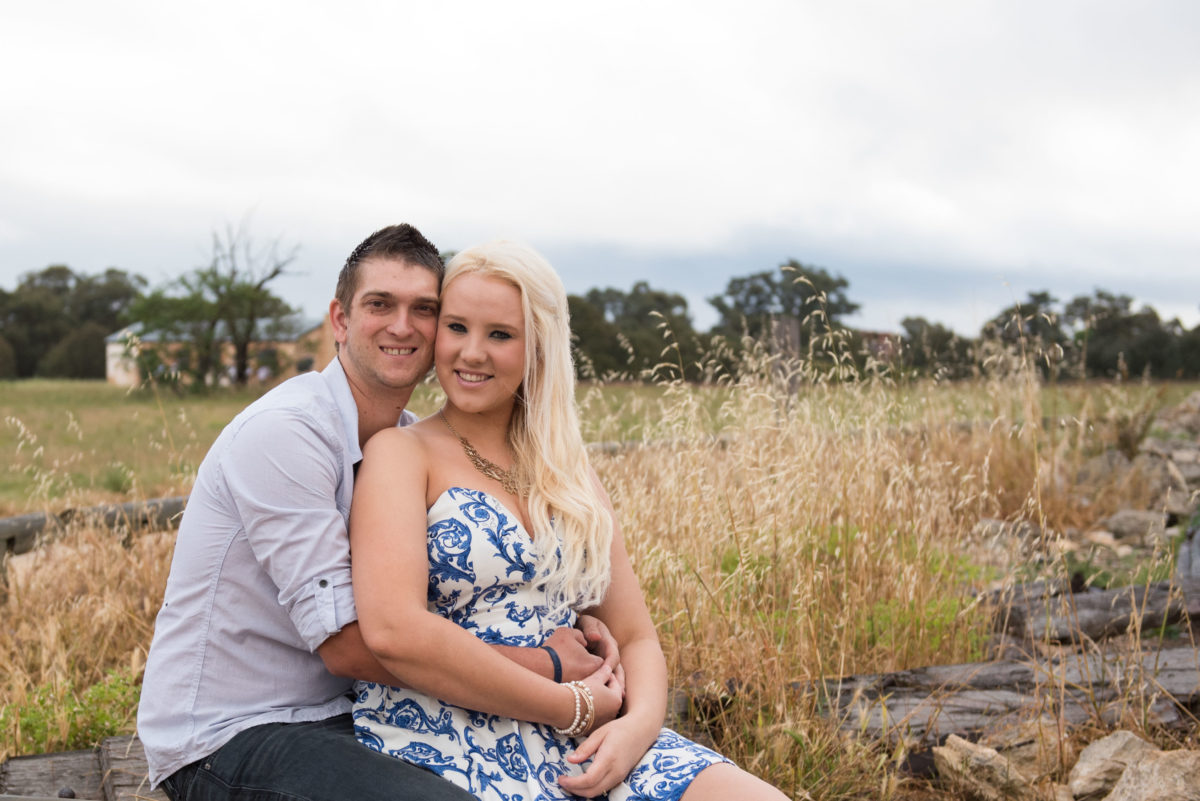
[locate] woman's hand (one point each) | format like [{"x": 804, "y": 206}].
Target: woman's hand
[
  {"x": 607, "y": 695},
  {"x": 601, "y": 642},
  {"x": 614, "y": 749}
]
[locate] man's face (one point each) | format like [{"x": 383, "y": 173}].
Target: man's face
[{"x": 385, "y": 338}]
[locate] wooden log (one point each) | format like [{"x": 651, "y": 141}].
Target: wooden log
[
  {"x": 22, "y": 533},
  {"x": 925, "y": 705},
  {"x": 1096, "y": 615},
  {"x": 123, "y": 761},
  {"x": 43, "y": 775},
  {"x": 158, "y": 513},
  {"x": 114, "y": 771}
]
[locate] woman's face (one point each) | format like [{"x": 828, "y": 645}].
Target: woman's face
[{"x": 479, "y": 354}]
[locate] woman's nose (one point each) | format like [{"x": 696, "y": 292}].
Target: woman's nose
[{"x": 472, "y": 350}]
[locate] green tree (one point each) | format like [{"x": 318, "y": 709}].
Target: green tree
[
  {"x": 933, "y": 348},
  {"x": 1189, "y": 353},
  {"x": 34, "y": 316},
  {"x": 226, "y": 300},
  {"x": 653, "y": 323},
  {"x": 80, "y": 354},
  {"x": 50, "y": 305},
  {"x": 178, "y": 326},
  {"x": 791, "y": 306},
  {"x": 598, "y": 352},
  {"x": 1032, "y": 321},
  {"x": 104, "y": 299},
  {"x": 8, "y": 360},
  {"x": 1116, "y": 339},
  {"x": 236, "y": 279}
]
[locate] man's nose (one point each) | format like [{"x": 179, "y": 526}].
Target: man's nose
[{"x": 400, "y": 325}]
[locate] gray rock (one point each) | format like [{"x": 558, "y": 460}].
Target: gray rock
[
  {"x": 1187, "y": 562},
  {"x": 1158, "y": 475},
  {"x": 1188, "y": 463},
  {"x": 1109, "y": 467},
  {"x": 1136, "y": 526},
  {"x": 1182, "y": 420},
  {"x": 1161, "y": 776},
  {"x": 979, "y": 771},
  {"x": 1035, "y": 748},
  {"x": 1103, "y": 762},
  {"x": 1181, "y": 503}
]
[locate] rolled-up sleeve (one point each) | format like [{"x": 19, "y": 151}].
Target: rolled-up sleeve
[{"x": 283, "y": 471}]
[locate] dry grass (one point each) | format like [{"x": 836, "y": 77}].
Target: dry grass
[{"x": 791, "y": 525}]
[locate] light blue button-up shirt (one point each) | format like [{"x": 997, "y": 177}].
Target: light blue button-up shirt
[{"x": 260, "y": 576}]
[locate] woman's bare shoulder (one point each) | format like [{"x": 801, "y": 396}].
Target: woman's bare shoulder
[{"x": 405, "y": 441}]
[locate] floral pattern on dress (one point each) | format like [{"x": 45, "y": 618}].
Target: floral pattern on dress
[{"x": 482, "y": 576}]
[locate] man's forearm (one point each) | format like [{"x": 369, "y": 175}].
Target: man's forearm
[{"x": 534, "y": 659}]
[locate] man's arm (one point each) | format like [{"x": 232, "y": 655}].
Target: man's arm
[{"x": 345, "y": 654}]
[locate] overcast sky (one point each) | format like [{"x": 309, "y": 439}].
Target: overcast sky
[{"x": 945, "y": 157}]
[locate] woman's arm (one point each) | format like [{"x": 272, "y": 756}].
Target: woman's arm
[
  {"x": 617, "y": 746},
  {"x": 391, "y": 575}
]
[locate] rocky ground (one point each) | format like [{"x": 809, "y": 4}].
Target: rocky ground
[{"x": 1085, "y": 677}]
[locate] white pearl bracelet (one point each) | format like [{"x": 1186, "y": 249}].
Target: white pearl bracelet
[{"x": 585, "y": 710}]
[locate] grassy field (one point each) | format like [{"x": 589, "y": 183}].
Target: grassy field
[{"x": 785, "y": 527}]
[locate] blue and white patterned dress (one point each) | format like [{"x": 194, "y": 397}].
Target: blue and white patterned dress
[{"x": 481, "y": 576}]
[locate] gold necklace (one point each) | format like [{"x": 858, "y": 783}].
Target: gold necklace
[{"x": 507, "y": 478}]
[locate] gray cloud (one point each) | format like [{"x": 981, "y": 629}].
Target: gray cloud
[{"x": 925, "y": 151}]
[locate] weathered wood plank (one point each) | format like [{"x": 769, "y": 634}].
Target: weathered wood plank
[
  {"x": 43, "y": 775},
  {"x": 115, "y": 771},
  {"x": 1096, "y": 615},
  {"x": 22, "y": 533},
  {"x": 19, "y": 534},
  {"x": 925, "y": 705},
  {"x": 124, "y": 764}
]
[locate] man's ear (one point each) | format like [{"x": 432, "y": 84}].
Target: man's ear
[{"x": 337, "y": 320}]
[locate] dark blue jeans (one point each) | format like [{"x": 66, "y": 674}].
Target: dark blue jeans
[{"x": 305, "y": 762}]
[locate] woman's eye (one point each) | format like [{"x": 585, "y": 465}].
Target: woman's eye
[
  {"x": 457, "y": 328},
  {"x": 501, "y": 335}
]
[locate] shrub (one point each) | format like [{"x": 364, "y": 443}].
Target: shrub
[
  {"x": 78, "y": 355},
  {"x": 8, "y": 360}
]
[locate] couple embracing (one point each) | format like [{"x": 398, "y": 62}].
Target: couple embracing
[{"x": 495, "y": 643}]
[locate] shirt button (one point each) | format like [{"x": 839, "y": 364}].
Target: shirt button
[{"x": 323, "y": 583}]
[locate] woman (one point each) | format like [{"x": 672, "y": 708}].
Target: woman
[{"x": 485, "y": 524}]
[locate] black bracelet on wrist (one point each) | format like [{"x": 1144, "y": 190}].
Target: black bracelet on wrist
[{"x": 557, "y": 663}]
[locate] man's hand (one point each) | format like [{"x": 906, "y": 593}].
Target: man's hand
[
  {"x": 601, "y": 642},
  {"x": 571, "y": 646}
]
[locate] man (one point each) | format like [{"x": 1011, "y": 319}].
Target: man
[{"x": 256, "y": 644}]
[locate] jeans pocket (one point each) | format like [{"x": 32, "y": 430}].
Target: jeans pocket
[{"x": 177, "y": 784}]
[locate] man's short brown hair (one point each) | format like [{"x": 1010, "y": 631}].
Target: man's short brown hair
[{"x": 402, "y": 242}]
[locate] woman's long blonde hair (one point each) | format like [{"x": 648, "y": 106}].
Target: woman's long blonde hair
[{"x": 544, "y": 430}]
